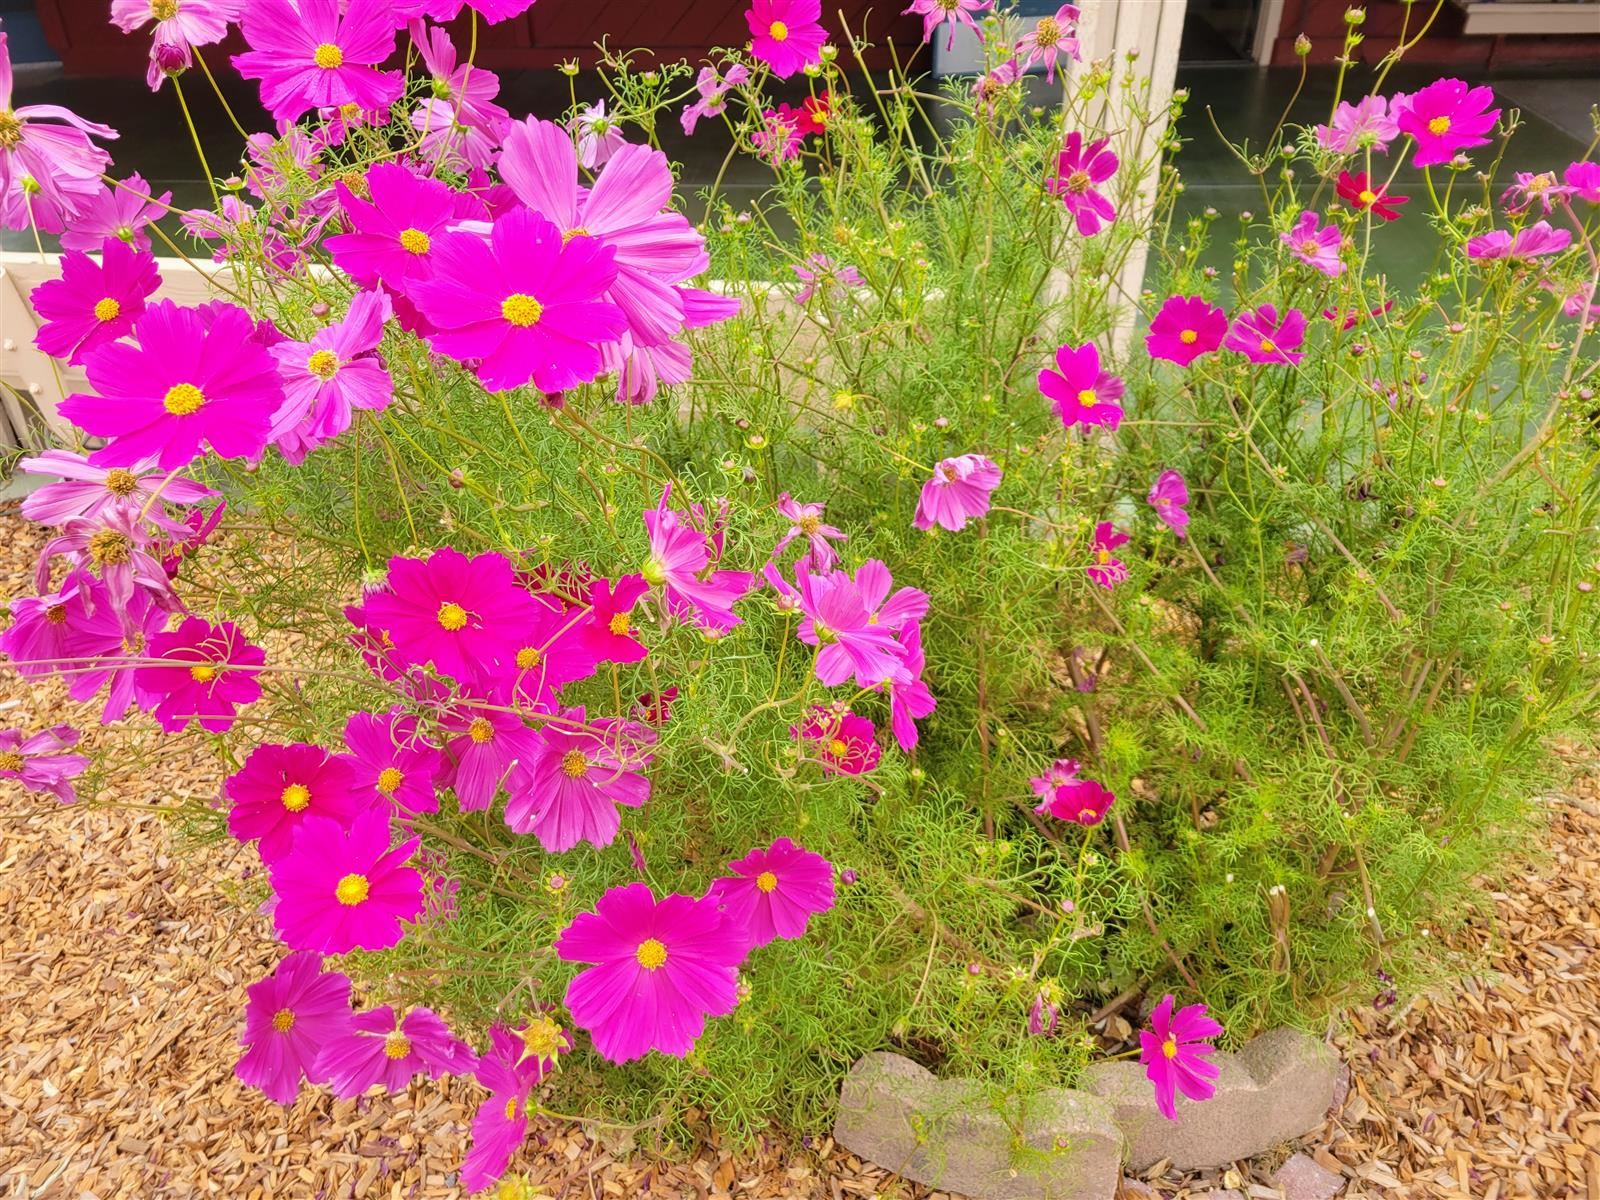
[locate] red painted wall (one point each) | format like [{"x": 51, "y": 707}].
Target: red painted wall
[{"x": 1445, "y": 45}]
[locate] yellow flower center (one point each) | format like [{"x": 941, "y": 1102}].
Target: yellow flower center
[
  {"x": 651, "y": 954},
  {"x": 390, "y": 779},
  {"x": 56, "y": 614},
  {"x": 1086, "y": 396},
  {"x": 1366, "y": 196},
  {"x": 296, "y": 797},
  {"x": 778, "y": 31},
  {"x": 352, "y": 890},
  {"x": 1102, "y": 556},
  {"x": 838, "y": 747},
  {"x": 1086, "y": 814},
  {"x": 575, "y": 231},
  {"x": 809, "y": 525},
  {"x": 766, "y": 882},
  {"x": 324, "y": 364},
  {"x": 182, "y": 399},
  {"x": 1047, "y": 33},
  {"x": 283, "y": 1020},
  {"x": 521, "y": 310},
  {"x": 452, "y": 616},
  {"x": 619, "y": 624},
  {"x": 120, "y": 482},
  {"x": 511, "y": 1109},
  {"x": 396, "y": 1045},
  {"x": 10, "y": 760},
  {"x": 328, "y": 56},
  {"x": 528, "y": 658},
  {"x": 414, "y": 241},
  {"x": 163, "y": 10},
  {"x": 574, "y": 764},
  {"x": 204, "y": 673},
  {"x": 108, "y": 309},
  {"x": 1188, "y": 337},
  {"x": 541, "y": 1040},
  {"x": 1439, "y": 126},
  {"x": 1266, "y": 346},
  {"x": 10, "y": 129},
  {"x": 480, "y": 731},
  {"x": 1170, "y": 1047},
  {"x": 109, "y": 548},
  {"x": 1078, "y": 182}
]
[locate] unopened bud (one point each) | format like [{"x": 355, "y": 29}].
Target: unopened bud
[{"x": 1302, "y": 46}]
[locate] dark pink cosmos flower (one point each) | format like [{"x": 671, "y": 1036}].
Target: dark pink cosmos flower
[
  {"x": 488, "y": 742},
  {"x": 607, "y": 632},
  {"x": 1050, "y": 39},
  {"x": 548, "y": 654},
  {"x": 1083, "y": 392},
  {"x": 787, "y": 35},
  {"x": 122, "y": 210},
  {"x": 1177, "y": 1056},
  {"x": 933, "y": 12},
  {"x": 515, "y": 1063},
  {"x": 391, "y": 762},
  {"x": 1081, "y": 801},
  {"x": 199, "y": 671},
  {"x": 1542, "y": 188},
  {"x": 662, "y": 967},
  {"x": 376, "y": 1048},
  {"x": 567, "y": 790},
  {"x": 289, "y": 1017},
  {"x": 525, "y": 306},
  {"x": 1262, "y": 337},
  {"x": 80, "y": 634},
  {"x": 57, "y": 158},
  {"x": 655, "y": 708},
  {"x": 1314, "y": 246},
  {"x": 779, "y": 137},
  {"x": 1365, "y": 125},
  {"x": 1365, "y": 195},
  {"x": 1445, "y": 118},
  {"x": 909, "y": 697},
  {"x": 1104, "y": 567},
  {"x": 197, "y": 528},
  {"x": 819, "y": 271},
  {"x": 774, "y": 893},
  {"x": 1168, "y": 496},
  {"x": 1536, "y": 241},
  {"x": 342, "y": 889},
  {"x": 92, "y": 303},
  {"x": 806, "y": 521},
  {"x": 280, "y": 787},
  {"x": 681, "y": 564},
  {"x": 1584, "y": 180},
  {"x": 958, "y": 492},
  {"x": 89, "y": 491},
  {"x": 189, "y": 384},
  {"x": 314, "y": 56},
  {"x": 1045, "y": 1013},
  {"x": 1184, "y": 329},
  {"x": 41, "y": 763},
  {"x": 642, "y": 371},
  {"x": 117, "y": 548},
  {"x": 327, "y": 378},
  {"x": 844, "y": 743},
  {"x": 1080, "y": 169},
  {"x": 838, "y": 622},
  {"x": 392, "y": 232},
  {"x": 1348, "y": 319}
]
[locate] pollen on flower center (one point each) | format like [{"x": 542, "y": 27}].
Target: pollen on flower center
[
  {"x": 1366, "y": 197},
  {"x": 1439, "y": 126},
  {"x": 574, "y": 764},
  {"x": 1102, "y": 556},
  {"x": 56, "y": 614},
  {"x": 109, "y": 548},
  {"x": 619, "y": 624},
  {"x": 480, "y": 731},
  {"x": 1266, "y": 346},
  {"x": 10, "y": 760},
  {"x": 108, "y": 309},
  {"x": 521, "y": 310},
  {"x": 575, "y": 231},
  {"x": 1188, "y": 337},
  {"x": 283, "y": 1020},
  {"x": 396, "y": 1045},
  {"x": 328, "y": 56},
  {"x": 352, "y": 890},
  {"x": 767, "y": 882},
  {"x": 452, "y": 616},
  {"x": 528, "y": 658},
  {"x": 324, "y": 364},
  {"x": 838, "y": 747},
  {"x": 163, "y": 10},
  {"x": 511, "y": 1109},
  {"x": 121, "y": 482},
  {"x": 182, "y": 399},
  {"x": 10, "y": 129},
  {"x": 809, "y": 525},
  {"x": 1086, "y": 396},
  {"x": 204, "y": 673},
  {"x": 1086, "y": 814},
  {"x": 651, "y": 954},
  {"x": 390, "y": 779},
  {"x": 778, "y": 31},
  {"x": 1170, "y": 1047},
  {"x": 1047, "y": 33},
  {"x": 1078, "y": 182},
  {"x": 414, "y": 241},
  {"x": 296, "y": 797}
]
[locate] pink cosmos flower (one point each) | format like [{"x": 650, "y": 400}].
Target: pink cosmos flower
[
  {"x": 116, "y": 547},
  {"x": 1316, "y": 247},
  {"x": 1062, "y": 771},
  {"x": 467, "y": 87},
  {"x": 607, "y": 634},
  {"x": 681, "y": 565},
  {"x": 78, "y": 631},
  {"x": 909, "y": 697},
  {"x": 391, "y": 762},
  {"x": 786, "y": 34},
  {"x": 549, "y": 653},
  {"x": 56, "y": 158},
  {"x": 289, "y": 1017},
  {"x": 41, "y": 763},
  {"x": 1346, "y": 319},
  {"x": 341, "y": 889},
  {"x": 1542, "y": 188},
  {"x": 1184, "y": 329},
  {"x": 198, "y": 526},
  {"x": 844, "y": 743},
  {"x": 1084, "y": 394},
  {"x": 662, "y": 968},
  {"x": 1105, "y": 569},
  {"x": 514, "y": 1065},
  {"x": 805, "y": 520},
  {"x": 281, "y": 787},
  {"x": 1366, "y": 124},
  {"x": 780, "y": 137},
  {"x": 375, "y": 1048},
  {"x": 951, "y": 11},
  {"x": 712, "y": 88},
  {"x": 599, "y": 136},
  {"x": 92, "y": 303},
  {"x": 188, "y": 383},
  {"x": 1262, "y": 338},
  {"x": 1176, "y": 1055},
  {"x": 1536, "y": 241},
  {"x": 489, "y": 742},
  {"x": 1081, "y": 801},
  {"x": 392, "y": 233},
  {"x": 989, "y": 88},
  {"x": 567, "y": 791},
  {"x": 525, "y": 305},
  {"x": 89, "y": 491},
  {"x": 1366, "y": 195},
  {"x": 315, "y": 57},
  {"x": 1080, "y": 169},
  {"x": 819, "y": 272},
  {"x": 838, "y": 621},
  {"x": 1584, "y": 180},
  {"x": 896, "y": 611},
  {"x": 1445, "y": 118},
  {"x": 1050, "y": 39},
  {"x": 324, "y": 380},
  {"x": 1045, "y": 1013},
  {"x": 774, "y": 893},
  {"x": 122, "y": 211},
  {"x": 958, "y": 492},
  {"x": 1168, "y": 496},
  {"x": 200, "y": 671},
  {"x": 451, "y": 140}
]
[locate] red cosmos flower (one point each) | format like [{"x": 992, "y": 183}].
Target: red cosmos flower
[{"x": 1361, "y": 194}]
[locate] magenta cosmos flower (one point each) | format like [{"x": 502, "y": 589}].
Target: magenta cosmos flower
[
  {"x": 1445, "y": 118},
  {"x": 180, "y": 25},
  {"x": 92, "y": 303},
  {"x": 958, "y": 492},
  {"x": 1080, "y": 170},
  {"x": 844, "y": 743},
  {"x": 488, "y": 742},
  {"x": 1316, "y": 247},
  {"x": 892, "y": 608},
  {"x": 525, "y": 306},
  {"x": 780, "y": 136},
  {"x": 341, "y": 889},
  {"x": 288, "y": 1018},
  {"x": 1052, "y": 38},
  {"x": 662, "y": 968},
  {"x": 1081, "y": 801},
  {"x": 712, "y": 89},
  {"x": 393, "y": 230},
  {"x": 41, "y": 763},
  {"x": 909, "y": 697},
  {"x": 202, "y": 672},
  {"x": 1063, "y": 770},
  {"x": 850, "y": 639},
  {"x": 515, "y": 1063},
  {"x": 608, "y": 634},
  {"x": 191, "y": 382},
  {"x": 78, "y": 631},
  {"x": 1176, "y": 1055},
  {"x": 933, "y": 12},
  {"x": 680, "y": 564},
  {"x": 1536, "y": 241},
  {"x": 391, "y": 762},
  {"x": 375, "y": 1048},
  {"x": 121, "y": 210},
  {"x": 1084, "y": 394},
  {"x": 1168, "y": 496},
  {"x": 1543, "y": 188},
  {"x": 1364, "y": 125},
  {"x": 314, "y": 57},
  {"x": 326, "y": 379},
  {"x": 1584, "y": 180},
  {"x": 59, "y": 160},
  {"x": 280, "y": 787},
  {"x": 1262, "y": 337},
  {"x": 806, "y": 521},
  {"x": 1104, "y": 567},
  {"x": 774, "y": 893},
  {"x": 567, "y": 791},
  {"x": 1184, "y": 329},
  {"x": 786, "y": 34},
  {"x": 86, "y": 490}
]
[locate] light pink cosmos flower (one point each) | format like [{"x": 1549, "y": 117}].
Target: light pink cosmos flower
[
  {"x": 1536, "y": 241},
  {"x": 1083, "y": 392},
  {"x": 118, "y": 548},
  {"x": 280, "y": 787},
  {"x": 819, "y": 272},
  {"x": 712, "y": 88},
  {"x": 1314, "y": 246},
  {"x": 1184, "y": 329},
  {"x": 89, "y": 491},
  {"x": 567, "y": 791},
  {"x": 958, "y": 492},
  {"x": 451, "y": 140},
  {"x": 1045, "y": 1012},
  {"x": 1542, "y": 188},
  {"x": 1080, "y": 169},
  {"x": 179, "y": 27},
  {"x": 1168, "y": 496},
  {"x": 1584, "y": 180},
  {"x": 838, "y": 621},
  {"x": 806, "y": 520},
  {"x": 599, "y": 136},
  {"x": 377, "y": 1048},
  {"x": 1104, "y": 567},
  {"x": 1366, "y": 124},
  {"x": 122, "y": 210},
  {"x": 779, "y": 137},
  {"x": 326, "y": 379},
  {"x": 843, "y": 742},
  {"x": 342, "y": 889},
  {"x": 1177, "y": 1056},
  {"x": 41, "y": 763},
  {"x": 201, "y": 672},
  {"x": 467, "y": 87},
  {"x": 289, "y": 1017},
  {"x": 1052, "y": 38},
  {"x": 54, "y": 157},
  {"x": 1445, "y": 118},
  {"x": 1062, "y": 771},
  {"x": 78, "y": 632},
  {"x": 774, "y": 893},
  {"x": 989, "y": 87},
  {"x": 681, "y": 564},
  {"x": 786, "y": 34},
  {"x": 952, "y": 11},
  {"x": 1261, "y": 337},
  {"x": 315, "y": 57}
]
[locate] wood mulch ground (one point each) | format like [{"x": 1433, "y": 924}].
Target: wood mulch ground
[{"x": 123, "y": 963}]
